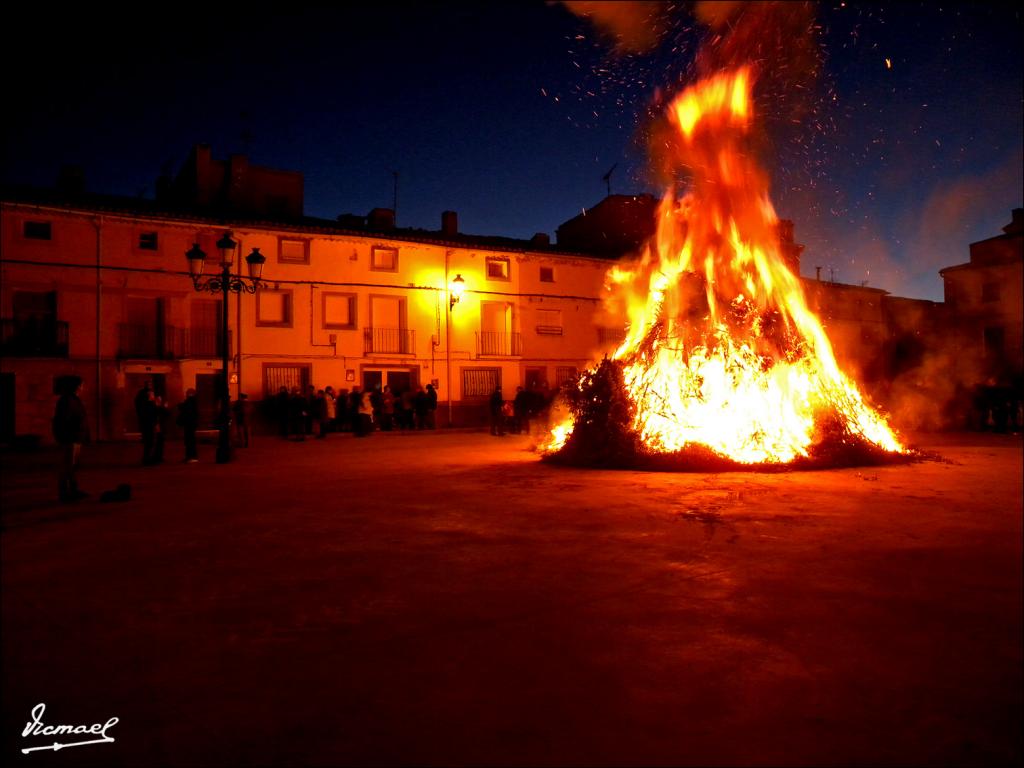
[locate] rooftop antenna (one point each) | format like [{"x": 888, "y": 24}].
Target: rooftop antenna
[
  {"x": 394, "y": 197},
  {"x": 607, "y": 178}
]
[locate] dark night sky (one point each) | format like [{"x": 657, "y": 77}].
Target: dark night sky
[{"x": 511, "y": 114}]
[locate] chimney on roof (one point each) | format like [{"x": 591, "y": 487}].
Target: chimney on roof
[
  {"x": 449, "y": 223},
  {"x": 381, "y": 218},
  {"x": 788, "y": 247},
  {"x": 541, "y": 239},
  {"x": 1017, "y": 223}
]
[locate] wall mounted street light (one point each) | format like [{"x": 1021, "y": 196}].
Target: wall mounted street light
[
  {"x": 455, "y": 290},
  {"x": 225, "y": 283}
]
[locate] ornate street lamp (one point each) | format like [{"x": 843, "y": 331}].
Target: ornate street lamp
[{"x": 225, "y": 283}]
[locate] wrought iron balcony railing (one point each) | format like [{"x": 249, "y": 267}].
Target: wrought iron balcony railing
[
  {"x": 33, "y": 337},
  {"x": 499, "y": 344},
  {"x": 151, "y": 342},
  {"x": 394, "y": 341},
  {"x": 205, "y": 342}
]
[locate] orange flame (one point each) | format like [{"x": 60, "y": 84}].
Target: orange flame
[{"x": 721, "y": 348}]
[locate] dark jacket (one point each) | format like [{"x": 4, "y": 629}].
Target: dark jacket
[
  {"x": 241, "y": 410},
  {"x": 161, "y": 417},
  {"x": 521, "y": 404},
  {"x": 188, "y": 414},
  {"x": 497, "y": 401},
  {"x": 145, "y": 410},
  {"x": 70, "y": 424}
]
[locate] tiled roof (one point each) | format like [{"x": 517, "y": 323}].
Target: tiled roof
[{"x": 155, "y": 208}]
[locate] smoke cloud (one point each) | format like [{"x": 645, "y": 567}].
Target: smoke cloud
[
  {"x": 902, "y": 251},
  {"x": 632, "y": 25}
]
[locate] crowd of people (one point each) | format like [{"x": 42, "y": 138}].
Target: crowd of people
[
  {"x": 315, "y": 413},
  {"x": 319, "y": 412},
  {"x": 515, "y": 416},
  {"x": 154, "y": 418}
]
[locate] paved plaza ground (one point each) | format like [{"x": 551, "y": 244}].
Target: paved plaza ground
[{"x": 447, "y": 599}]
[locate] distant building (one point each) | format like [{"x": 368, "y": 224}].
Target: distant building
[
  {"x": 984, "y": 301},
  {"x": 854, "y": 317},
  {"x": 616, "y": 226},
  {"x": 233, "y": 187}
]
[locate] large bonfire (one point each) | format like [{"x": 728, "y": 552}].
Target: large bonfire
[{"x": 723, "y": 363}]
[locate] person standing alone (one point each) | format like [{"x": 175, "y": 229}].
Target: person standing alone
[
  {"x": 497, "y": 404},
  {"x": 70, "y": 430},
  {"x": 241, "y": 411},
  {"x": 146, "y": 412}
]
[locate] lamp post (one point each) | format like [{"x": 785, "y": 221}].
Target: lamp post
[
  {"x": 224, "y": 283},
  {"x": 455, "y": 289}
]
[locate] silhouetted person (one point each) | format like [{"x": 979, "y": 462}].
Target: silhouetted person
[
  {"x": 355, "y": 400},
  {"x": 404, "y": 409},
  {"x": 188, "y": 420},
  {"x": 387, "y": 409},
  {"x": 322, "y": 418},
  {"x": 162, "y": 419},
  {"x": 497, "y": 418},
  {"x": 70, "y": 430},
  {"x": 377, "y": 402},
  {"x": 365, "y": 415},
  {"x": 521, "y": 412},
  {"x": 330, "y": 410},
  {"x": 282, "y": 406},
  {"x": 297, "y": 405},
  {"x": 242, "y": 411},
  {"x": 145, "y": 411},
  {"x": 342, "y": 412},
  {"x": 541, "y": 402},
  {"x": 420, "y": 404},
  {"x": 431, "y": 406},
  {"x": 312, "y": 409}
]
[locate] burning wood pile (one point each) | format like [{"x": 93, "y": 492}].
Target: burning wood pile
[{"x": 723, "y": 366}]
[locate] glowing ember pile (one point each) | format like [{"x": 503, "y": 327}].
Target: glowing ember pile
[{"x": 723, "y": 360}]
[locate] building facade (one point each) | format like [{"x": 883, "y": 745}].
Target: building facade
[
  {"x": 99, "y": 287},
  {"x": 985, "y": 300}
]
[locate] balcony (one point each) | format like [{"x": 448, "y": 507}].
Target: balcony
[
  {"x": 34, "y": 337},
  {"x": 499, "y": 344},
  {"x": 149, "y": 342},
  {"x": 205, "y": 342},
  {"x": 389, "y": 341}
]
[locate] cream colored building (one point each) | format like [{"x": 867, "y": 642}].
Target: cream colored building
[{"x": 100, "y": 287}]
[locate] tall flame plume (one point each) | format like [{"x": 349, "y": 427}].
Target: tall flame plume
[{"x": 721, "y": 349}]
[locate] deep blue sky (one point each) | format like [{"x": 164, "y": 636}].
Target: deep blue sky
[{"x": 511, "y": 114}]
